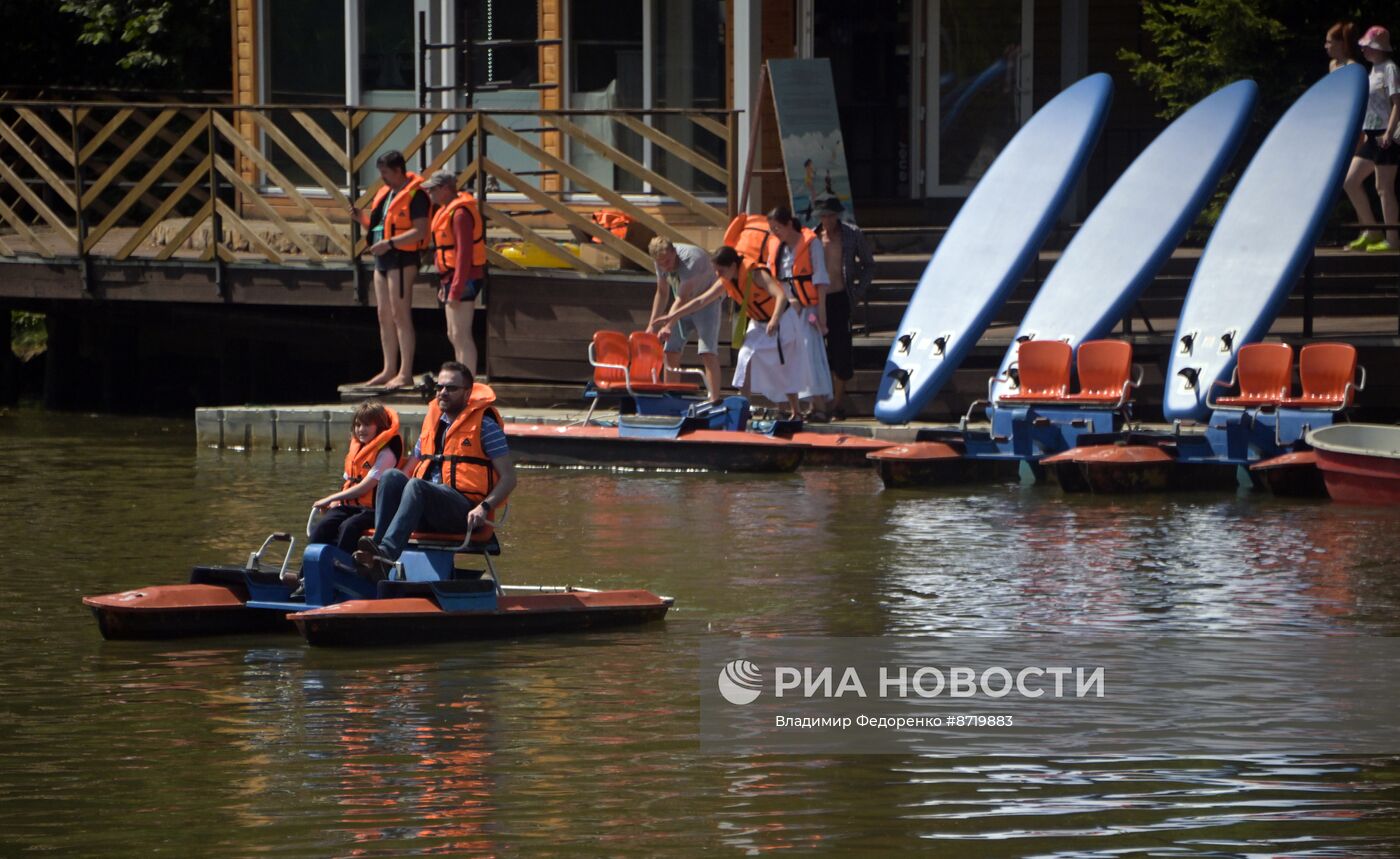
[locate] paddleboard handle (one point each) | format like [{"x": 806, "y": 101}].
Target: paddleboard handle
[
  {"x": 900, "y": 376},
  {"x": 940, "y": 344},
  {"x": 1190, "y": 374},
  {"x": 1023, "y": 338},
  {"x": 905, "y": 341},
  {"x": 1187, "y": 341},
  {"x": 1228, "y": 341}
]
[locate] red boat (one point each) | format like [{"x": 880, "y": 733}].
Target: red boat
[
  {"x": 1360, "y": 463},
  {"x": 606, "y": 446}
]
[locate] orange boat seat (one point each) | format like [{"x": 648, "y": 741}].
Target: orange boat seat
[
  {"x": 1264, "y": 373},
  {"x": 610, "y": 355},
  {"x": 1328, "y": 372},
  {"x": 1043, "y": 366},
  {"x": 1105, "y": 373},
  {"x": 648, "y": 367}
]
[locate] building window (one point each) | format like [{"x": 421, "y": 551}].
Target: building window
[{"x": 304, "y": 63}]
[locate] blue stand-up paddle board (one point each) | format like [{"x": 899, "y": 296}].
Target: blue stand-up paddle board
[
  {"x": 1134, "y": 228},
  {"x": 1263, "y": 239},
  {"x": 989, "y": 244}
]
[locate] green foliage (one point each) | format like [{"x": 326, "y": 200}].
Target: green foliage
[
  {"x": 1202, "y": 45},
  {"x": 29, "y": 334},
  {"x": 141, "y": 26}
]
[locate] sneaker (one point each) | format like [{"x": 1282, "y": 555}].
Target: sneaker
[
  {"x": 1379, "y": 247},
  {"x": 1360, "y": 243}
]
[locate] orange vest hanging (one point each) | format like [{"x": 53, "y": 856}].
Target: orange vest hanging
[
  {"x": 359, "y": 459},
  {"x": 462, "y": 459},
  {"x": 756, "y": 302},
  {"x": 396, "y": 217},
  {"x": 444, "y": 238},
  {"x": 613, "y": 221}
]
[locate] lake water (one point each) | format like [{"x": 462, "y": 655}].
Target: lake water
[{"x": 587, "y": 744}]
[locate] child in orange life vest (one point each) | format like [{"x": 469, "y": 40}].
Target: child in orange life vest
[{"x": 375, "y": 448}]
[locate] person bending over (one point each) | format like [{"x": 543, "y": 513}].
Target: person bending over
[
  {"x": 461, "y": 471},
  {"x": 769, "y": 360}
]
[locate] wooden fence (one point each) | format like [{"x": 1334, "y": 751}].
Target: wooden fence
[{"x": 272, "y": 184}]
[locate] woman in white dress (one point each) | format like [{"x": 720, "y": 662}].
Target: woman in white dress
[{"x": 772, "y": 360}]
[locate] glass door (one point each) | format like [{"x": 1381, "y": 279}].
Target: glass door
[{"x": 979, "y": 87}]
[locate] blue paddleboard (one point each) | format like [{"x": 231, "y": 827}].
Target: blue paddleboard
[
  {"x": 1134, "y": 228},
  {"x": 988, "y": 246},
  {"x": 1263, "y": 239}
]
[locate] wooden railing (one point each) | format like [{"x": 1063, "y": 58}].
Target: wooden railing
[{"x": 272, "y": 184}]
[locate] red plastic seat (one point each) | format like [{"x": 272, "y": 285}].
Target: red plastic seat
[
  {"x": 1327, "y": 371},
  {"x": 1264, "y": 374},
  {"x": 609, "y": 355},
  {"x": 648, "y": 367},
  {"x": 1044, "y": 371},
  {"x": 1105, "y": 373}
]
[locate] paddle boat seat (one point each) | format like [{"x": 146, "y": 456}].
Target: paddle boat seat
[
  {"x": 435, "y": 540},
  {"x": 1105, "y": 373},
  {"x": 1264, "y": 374},
  {"x": 1327, "y": 372},
  {"x": 1043, "y": 367},
  {"x": 647, "y": 371}
]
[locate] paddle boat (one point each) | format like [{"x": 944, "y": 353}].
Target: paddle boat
[
  {"x": 1032, "y": 414},
  {"x": 434, "y": 592},
  {"x": 1360, "y": 463},
  {"x": 1255, "y": 255},
  {"x": 671, "y": 427}
]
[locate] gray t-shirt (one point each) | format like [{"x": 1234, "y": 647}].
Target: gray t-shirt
[{"x": 693, "y": 276}]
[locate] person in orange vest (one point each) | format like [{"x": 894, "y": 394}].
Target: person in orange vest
[
  {"x": 801, "y": 266},
  {"x": 772, "y": 334},
  {"x": 461, "y": 474},
  {"x": 459, "y": 255},
  {"x": 397, "y": 221},
  {"x": 375, "y": 449}
]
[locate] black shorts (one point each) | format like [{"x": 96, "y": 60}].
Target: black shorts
[
  {"x": 838, "y": 335},
  {"x": 392, "y": 260},
  {"x": 1371, "y": 150}
]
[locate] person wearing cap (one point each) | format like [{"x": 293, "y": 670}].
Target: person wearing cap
[
  {"x": 459, "y": 254},
  {"x": 1379, "y": 152},
  {"x": 850, "y": 265}
]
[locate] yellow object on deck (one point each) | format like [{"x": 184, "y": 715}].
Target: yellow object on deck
[{"x": 532, "y": 255}]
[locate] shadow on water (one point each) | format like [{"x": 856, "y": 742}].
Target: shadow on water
[{"x": 587, "y": 745}]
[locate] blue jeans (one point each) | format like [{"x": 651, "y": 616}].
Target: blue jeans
[{"x": 406, "y": 504}]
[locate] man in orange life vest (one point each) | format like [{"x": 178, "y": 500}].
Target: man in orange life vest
[
  {"x": 461, "y": 471},
  {"x": 397, "y": 221},
  {"x": 459, "y": 255}
]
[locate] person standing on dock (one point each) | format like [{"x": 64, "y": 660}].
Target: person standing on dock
[
  {"x": 397, "y": 221},
  {"x": 459, "y": 255},
  {"x": 851, "y": 267},
  {"x": 462, "y": 473},
  {"x": 1379, "y": 152},
  {"x": 683, "y": 272},
  {"x": 800, "y": 265}
]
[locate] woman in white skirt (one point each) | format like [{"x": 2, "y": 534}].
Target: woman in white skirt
[{"x": 772, "y": 360}]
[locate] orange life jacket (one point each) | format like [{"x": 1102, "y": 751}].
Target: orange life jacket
[
  {"x": 753, "y": 237},
  {"x": 396, "y": 219},
  {"x": 613, "y": 221},
  {"x": 756, "y": 302},
  {"x": 444, "y": 247},
  {"x": 462, "y": 459},
  {"x": 359, "y": 459}
]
